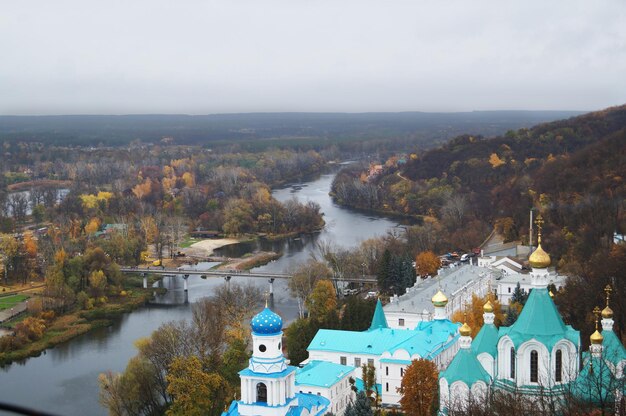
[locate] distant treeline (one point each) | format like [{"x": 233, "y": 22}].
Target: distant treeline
[{"x": 261, "y": 130}]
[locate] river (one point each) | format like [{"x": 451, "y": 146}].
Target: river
[{"x": 64, "y": 379}]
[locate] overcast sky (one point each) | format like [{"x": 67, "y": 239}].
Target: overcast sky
[{"x": 200, "y": 57}]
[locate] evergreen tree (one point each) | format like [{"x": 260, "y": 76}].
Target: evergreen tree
[
  {"x": 519, "y": 296},
  {"x": 361, "y": 407},
  {"x": 384, "y": 272}
]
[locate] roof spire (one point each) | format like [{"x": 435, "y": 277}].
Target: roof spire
[
  {"x": 539, "y": 223},
  {"x": 596, "y": 338},
  {"x": 607, "y": 312},
  {"x": 266, "y": 295},
  {"x": 379, "y": 320},
  {"x": 539, "y": 259}
]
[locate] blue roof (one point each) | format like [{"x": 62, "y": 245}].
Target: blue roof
[
  {"x": 613, "y": 349},
  {"x": 486, "y": 340},
  {"x": 266, "y": 322},
  {"x": 595, "y": 383},
  {"x": 394, "y": 361},
  {"x": 360, "y": 386},
  {"x": 379, "y": 320},
  {"x": 426, "y": 340},
  {"x": 322, "y": 374},
  {"x": 250, "y": 373},
  {"x": 305, "y": 401},
  {"x": 465, "y": 367},
  {"x": 540, "y": 320}
]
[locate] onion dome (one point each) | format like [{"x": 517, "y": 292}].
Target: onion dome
[
  {"x": 439, "y": 300},
  {"x": 266, "y": 322},
  {"x": 539, "y": 259},
  {"x": 551, "y": 294},
  {"x": 488, "y": 307},
  {"x": 596, "y": 338},
  {"x": 607, "y": 312},
  {"x": 465, "y": 330}
]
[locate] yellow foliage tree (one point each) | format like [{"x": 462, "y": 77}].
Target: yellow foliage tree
[
  {"x": 30, "y": 245},
  {"x": 322, "y": 300},
  {"x": 495, "y": 161},
  {"x": 143, "y": 189},
  {"x": 190, "y": 181},
  {"x": 89, "y": 201},
  {"x": 92, "y": 226},
  {"x": 475, "y": 313},
  {"x": 419, "y": 388},
  {"x": 427, "y": 263},
  {"x": 195, "y": 392}
]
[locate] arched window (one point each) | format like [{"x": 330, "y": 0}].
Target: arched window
[
  {"x": 534, "y": 370},
  {"x": 558, "y": 365},
  {"x": 512, "y": 362},
  {"x": 261, "y": 393}
]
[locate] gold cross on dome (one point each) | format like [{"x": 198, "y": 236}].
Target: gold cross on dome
[
  {"x": 266, "y": 295},
  {"x": 539, "y": 223},
  {"x": 596, "y": 312},
  {"x": 608, "y": 291}
]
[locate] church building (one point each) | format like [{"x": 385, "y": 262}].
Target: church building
[{"x": 538, "y": 356}]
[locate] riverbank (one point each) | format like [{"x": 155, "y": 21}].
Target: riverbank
[{"x": 71, "y": 325}]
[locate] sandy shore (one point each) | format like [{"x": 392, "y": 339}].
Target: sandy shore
[{"x": 209, "y": 245}]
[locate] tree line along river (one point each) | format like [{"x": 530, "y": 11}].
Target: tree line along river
[{"x": 64, "y": 380}]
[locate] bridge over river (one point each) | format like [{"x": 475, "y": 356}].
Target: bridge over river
[{"x": 228, "y": 275}]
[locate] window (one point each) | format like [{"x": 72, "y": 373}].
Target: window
[
  {"x": 370, "y": 362},
  {"x": 509, "y": 290},
  {"x": 357, "y": 362},
  {"x": 262, "y": 348},
  {"x": 534, "y": 358},
  {"x": 401, "y": 371},
  {"x": 386, "y": 370},
  {"x": 261, "y": 393},
  {"x": 512, "y": 362},
  {"x": 386, "y": 386},
  {"x": 279, "y": 346},
  {"x": 558, "y": 366},
  {"x": 343, "y": 360},
  {"x": 400, "y": 322}
]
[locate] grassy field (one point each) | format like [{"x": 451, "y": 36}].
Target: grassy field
[
  {"x": 188, "y": 241},
  {"x": 10, "y": 301}
]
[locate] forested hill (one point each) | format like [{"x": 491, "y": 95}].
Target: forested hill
[
  {"x": 414, "y": 127},
  {"x": 572, "y": 171}
]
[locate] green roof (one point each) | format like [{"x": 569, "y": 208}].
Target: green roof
[
  {"x": 322, "y": 373},
  {"x": 486, "y": 341},
  {"x": 540, "y": 320},
  {"x": 466, "y": 368},
  {"x": 613, "y": 350},
  {"x": 379, "y": 320},
  {"x": 595, "y": 382}
]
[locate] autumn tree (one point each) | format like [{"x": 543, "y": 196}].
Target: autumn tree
[
  {"x": 322, "y": 301},
  {"x": 474, "y": 313},
  {"x": 427, "y": 263},
  {"x": 303, "y": 280},
  {"x": 193, "y": 390},
  {"x": 419, "y": 388}
]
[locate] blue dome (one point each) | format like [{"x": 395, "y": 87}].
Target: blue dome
[{"x": 266, "y": 322}]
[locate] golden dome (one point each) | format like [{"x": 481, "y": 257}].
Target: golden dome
[
  {"x": 439, "y": 299},
  {"x": 596, "y": 338},
  {"x": 488, "y": 307},
  {"x": 539, "y": 259},
  {"x": 607, "y": 312},
  {"x": 465, "y": 330},
  {"x": 551, "y": 294}
]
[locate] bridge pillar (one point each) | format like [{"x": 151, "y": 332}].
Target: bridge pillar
[
  {"x": 185, "y": 277},
  {"x": 271, "y": 280},
  {"x": 145, "y": 280},
  {"x": 227, "y": 279}
]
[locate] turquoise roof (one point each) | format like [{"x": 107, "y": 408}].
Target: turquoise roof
[
  {"x": 466, "y": 368},
  {"x": 322, "y": 374},
  {"x": 285, "y": 372},
  {"x": 613, "y": 350},
  {"x": 393, "y": 361},
  {"x": 595, "y": 382},
  {"x": 360, "y": 386},
  {"x": 426, "y": 341},
  {"x": 305, "y": 402},
  {"x": 540, "y": 320},
  {"x": 486, "y": 340},
  {"x": 266, "y": 322},
  {"x": 379, "y": 320}
]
